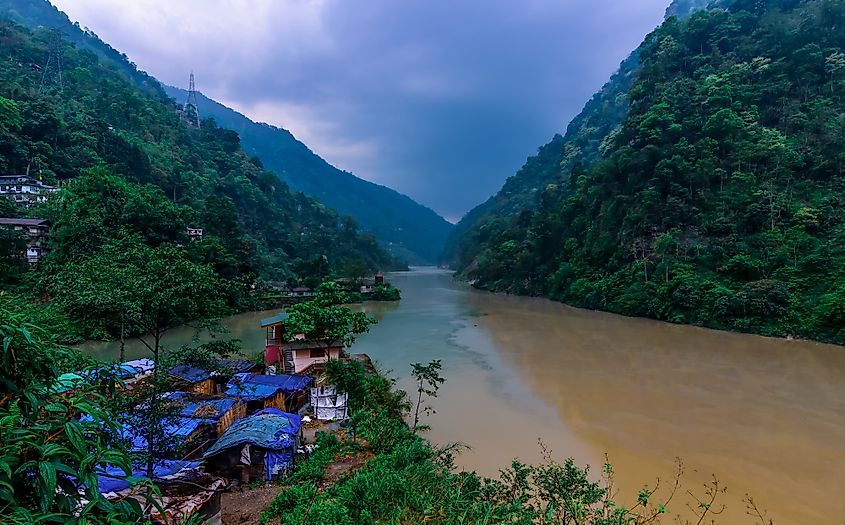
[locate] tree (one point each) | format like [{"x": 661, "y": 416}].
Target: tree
[
  {"x": 13, "y": 263},
  {"x": 55, "y": 447},
  {"x": 324, "y": 319},
  {"x": 428, "y": 380},
  {"x": 129, "y": 288}
]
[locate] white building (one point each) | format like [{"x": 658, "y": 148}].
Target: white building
[{"x": 24, "y": 190}]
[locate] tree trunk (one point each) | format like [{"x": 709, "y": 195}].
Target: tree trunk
[{"x": 122, "y": 343}]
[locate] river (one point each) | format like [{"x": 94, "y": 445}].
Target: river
[{"x": 765, "y": 416}]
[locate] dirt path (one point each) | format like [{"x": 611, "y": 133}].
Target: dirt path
[{"x": 244, "y": 506}]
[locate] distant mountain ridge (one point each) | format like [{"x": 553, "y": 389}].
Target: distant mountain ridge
[{"x": 407, "y": 229}]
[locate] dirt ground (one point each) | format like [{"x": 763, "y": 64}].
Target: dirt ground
[{"x": 243, "y": 506}]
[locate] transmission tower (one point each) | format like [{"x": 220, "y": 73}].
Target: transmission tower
[
  {"x": 192, "y": 113},
  {"x": 52, "y": 71}
]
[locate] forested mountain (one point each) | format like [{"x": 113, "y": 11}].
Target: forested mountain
[
  {"x": 132, "y": 168},
  {"x": 33, "y": 14},
  {"x": 719, "y": 199},
  {"x": 584, "y": 140},
  {"x": 409, "y": 230}
]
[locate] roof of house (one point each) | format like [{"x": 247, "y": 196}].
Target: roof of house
[
  {"x": 253, "y": 387},
  {"x": 236, "y": 367},
  {"x": 9, "y": 221},
  {"x": 110, "y": 480},
  {"x": 179, "y": 427},
  {"x": 306, "y": 345},
  {"x": 276, "y": 319},
  {"x": 210, "y": 409},
  {"x": 269, "y": 429},
  {"x": 190, "y": 373},
  {"x": 226, "y": 367}
]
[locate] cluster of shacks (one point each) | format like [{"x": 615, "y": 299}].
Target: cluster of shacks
[
  {"x": 234, "y": 424},
  {"x": 240, "y": 422}
]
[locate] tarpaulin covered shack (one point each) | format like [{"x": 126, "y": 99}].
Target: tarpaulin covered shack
[
  {"x": 222, "y": 411},
  {"x": 282, "y": 391},
  {"x": 191, "y": 379},
  {"x": 184, "y": 492},
  {"x": 258, "y": 446}
]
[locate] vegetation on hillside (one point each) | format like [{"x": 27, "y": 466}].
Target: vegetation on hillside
[
  {"x": 131, "y": 170},
  {"x": 409, "y": 230},
  {"x": 586, "y": 139},
  {"x": 718, "y": 201},
  {"x": 408, "y": 480}
]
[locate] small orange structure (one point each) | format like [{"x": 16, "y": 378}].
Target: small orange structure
[{"x": 299, "y": 356}]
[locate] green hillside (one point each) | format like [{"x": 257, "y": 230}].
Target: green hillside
[
  {"x": 130, "y": 167},
  {"x": 409, "y": 230},
  {"x": 718, "y": 201},
  {"x": 583, "y": 141}
]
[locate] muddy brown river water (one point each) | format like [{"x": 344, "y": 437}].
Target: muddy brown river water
[{"x": 765, "y": 416}]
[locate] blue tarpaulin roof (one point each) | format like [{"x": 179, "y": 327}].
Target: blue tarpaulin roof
[
  {"x": 211, "y": 409},
  {"x": 270, "y": 429},
  {"x": 181, "y": 427},
  {"x": 189, "y": 373},
  {"x": 259, "y": 386},
  {"x": 276, "y": 319},
  {"x": 124, "y": 371},
  {"x": 108, "y": 483}
]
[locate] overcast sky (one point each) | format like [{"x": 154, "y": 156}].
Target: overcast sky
[{"x": 441, "y": 100}]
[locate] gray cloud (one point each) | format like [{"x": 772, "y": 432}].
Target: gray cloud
[{"x": 440, "y": 100}]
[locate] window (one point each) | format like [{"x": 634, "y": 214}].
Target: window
[{"x": 317, "y": 352}]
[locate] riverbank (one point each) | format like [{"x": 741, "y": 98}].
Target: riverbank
[
  {"x": 764, "y": 328},
  {"x": 765, "y": 415}
]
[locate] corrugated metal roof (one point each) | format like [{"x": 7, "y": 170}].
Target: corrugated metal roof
[
  {"x": 7, "y": 221},
  {"x": 276, "y": 319}
]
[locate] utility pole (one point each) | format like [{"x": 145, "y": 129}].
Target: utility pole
[
  {"x": 192, "y": 113},
  {"x": 55, "y": 55}
]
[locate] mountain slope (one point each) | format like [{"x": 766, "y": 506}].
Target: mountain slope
[
  {"x": 583, "y": 142},
  {"x": 131, "y": 167},
  {"x": 719, "y": 200},
  {"x": 408, "y": 229}
]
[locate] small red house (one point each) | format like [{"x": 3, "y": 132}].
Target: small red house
[{"x": 298, "y": 356}]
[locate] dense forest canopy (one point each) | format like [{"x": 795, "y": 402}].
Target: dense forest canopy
[
  {"x": 718, "y": 200},
  {"x": 407, "y": 229},
  {"x": 586, "y": 137},
  {"x": 130, "y": 168}
]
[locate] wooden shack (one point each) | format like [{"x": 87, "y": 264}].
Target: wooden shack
[
  {"x": 260, "y": 446},
  {"x": 219, "y": 411},
  {"x": 196, "y": 380},
  {"x": 281, "y": 391}
]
